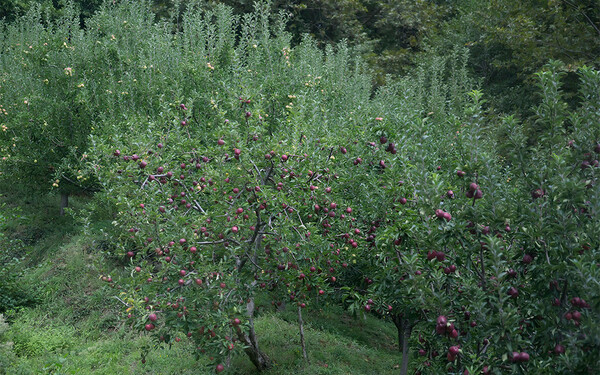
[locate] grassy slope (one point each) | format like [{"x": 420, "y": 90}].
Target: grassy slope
[{"x": 75, "y": 328}]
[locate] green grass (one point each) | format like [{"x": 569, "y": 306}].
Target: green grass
[
  {"x": 74, "y": 325},
  {"x": 42, "y": 341},
  {"x": 76, "y": 330},
  {"x": 330, "y": 351}
]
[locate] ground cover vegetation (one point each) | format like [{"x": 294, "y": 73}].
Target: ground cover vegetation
[{"x": 247, "y": 198}]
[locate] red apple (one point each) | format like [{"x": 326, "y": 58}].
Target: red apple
[
  {"x": 454, "y": 334},
  {"x": 537, "y": 193}
]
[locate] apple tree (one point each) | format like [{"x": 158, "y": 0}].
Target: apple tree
[
  {"x": 209, "y": 221},
  {"x": 480, "y": 253},
  {"x": 44, "y": 115}
]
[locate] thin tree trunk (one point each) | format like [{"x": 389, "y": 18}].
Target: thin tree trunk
[
  {"x": 302, "y": 342},
  {"x": 406, "y": 336},
  {"x": 260, "y": 360},
  {"x": 404, "y": 331},
  {"x": 64, "y": 203}
]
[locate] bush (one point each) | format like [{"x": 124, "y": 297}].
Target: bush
[
  {"x": 32, "y": 338},
  {"x": 6, "y": 355},
  {"x": 12, "y": 293}
]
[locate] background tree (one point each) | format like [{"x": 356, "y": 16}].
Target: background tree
[
  {"x": 510, "y": 40},
  {"x": 46, "y": 116}
]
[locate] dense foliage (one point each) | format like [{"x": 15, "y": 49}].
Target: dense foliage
[
  {"x": 234, "y": 168},
  {"x": 508, "y": 40}
]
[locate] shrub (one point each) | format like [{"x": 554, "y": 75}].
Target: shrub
[{"x": 6, "y": 355}]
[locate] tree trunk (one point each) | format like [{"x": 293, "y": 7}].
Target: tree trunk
[
  {"x": 404, "y": 329},
  {"x": 405, "y": 338},
  {"x": 258, "y": 358},
  {"x": 64, "y": 203},
  {"x": 302, "y": 342}
]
